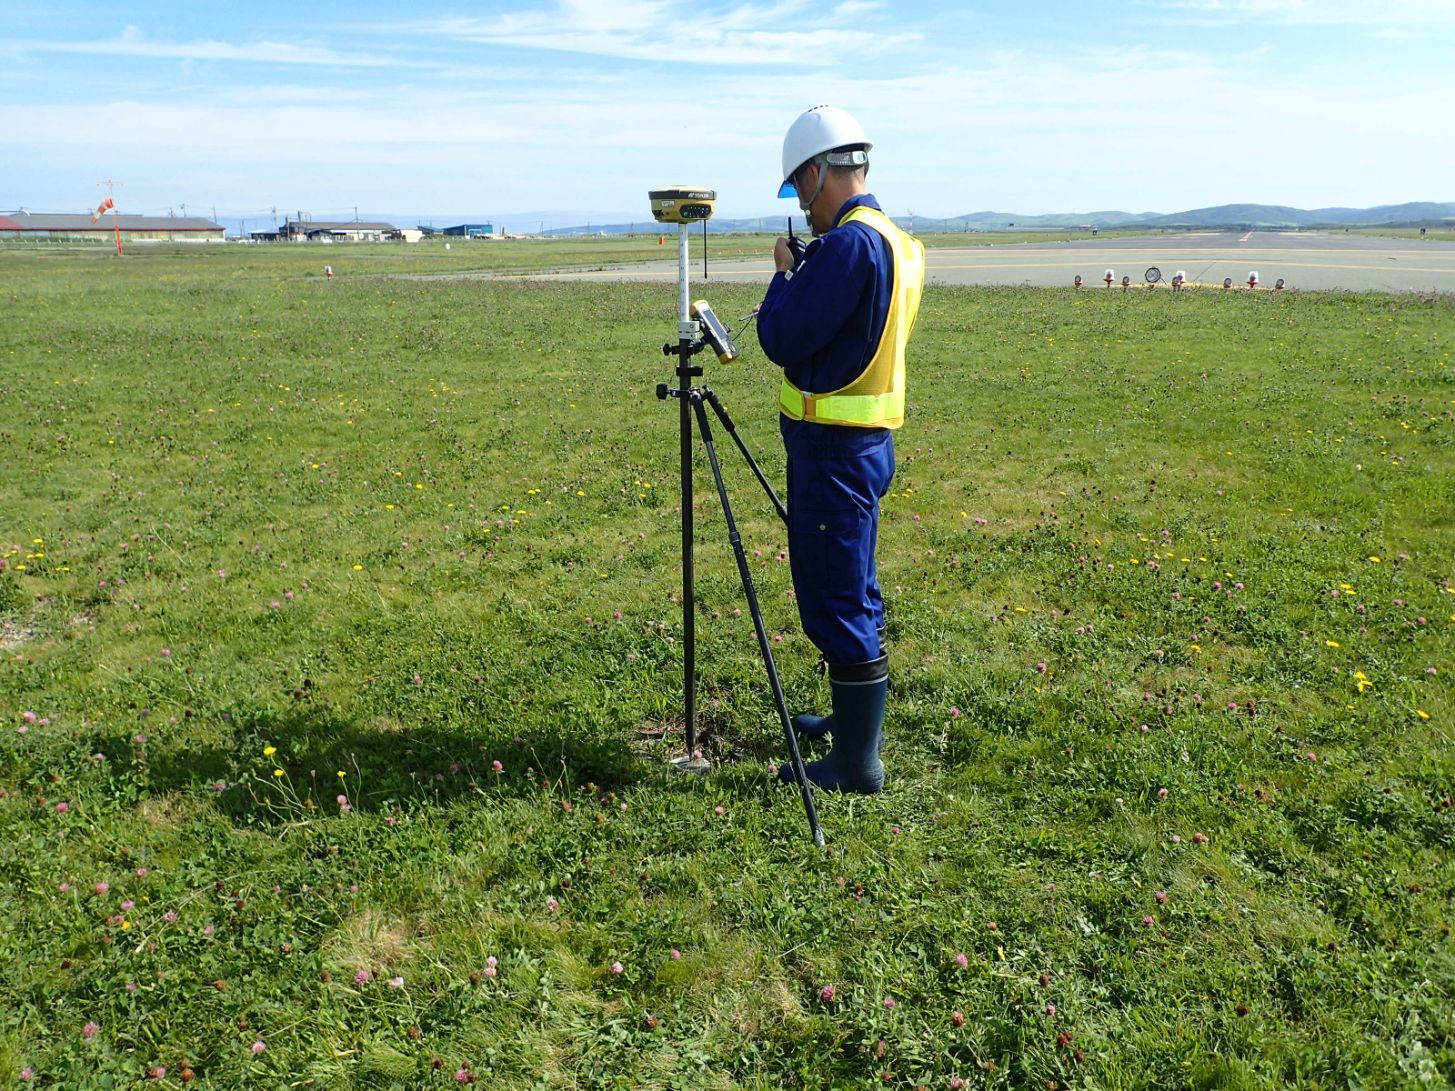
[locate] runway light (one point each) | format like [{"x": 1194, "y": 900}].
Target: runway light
[
  {"x": 1227, "y": 282},
  {"x": 1078, "y": 280},
  {"x": 1108, "y": 277},
  {"x": 1253, "y": 280},
  {"x": 1126, "y": 283},
  {"x": 1179, "y": 278},
  {"x": 1278, "y": 284}
]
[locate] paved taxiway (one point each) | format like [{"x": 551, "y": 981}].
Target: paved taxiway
[{"x": 1309, "y": 260}]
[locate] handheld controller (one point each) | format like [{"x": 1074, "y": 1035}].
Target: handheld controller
[{"x": 715, "y": 332}]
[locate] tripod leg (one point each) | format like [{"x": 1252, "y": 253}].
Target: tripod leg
[
  {"x": 747, "y": 580},
  {"x": 727, "y": 422}
]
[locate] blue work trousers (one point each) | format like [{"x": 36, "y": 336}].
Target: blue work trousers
[{"x": 833, "y": 530}]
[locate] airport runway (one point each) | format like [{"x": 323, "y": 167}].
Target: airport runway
[{"x": 1307, "y": 260}]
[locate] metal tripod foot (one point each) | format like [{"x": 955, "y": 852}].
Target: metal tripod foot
[{"x": 689, "y": 764}]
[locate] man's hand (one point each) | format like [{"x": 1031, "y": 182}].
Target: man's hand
[{"x": 783, "y": 256}]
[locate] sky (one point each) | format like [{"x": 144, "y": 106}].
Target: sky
[{"x": 564, "y": 110}]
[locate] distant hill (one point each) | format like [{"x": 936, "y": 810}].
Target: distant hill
[{"x": 1239, "y": 216}]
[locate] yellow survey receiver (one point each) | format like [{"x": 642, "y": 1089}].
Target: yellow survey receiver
[{"x": 682, "y": 204}]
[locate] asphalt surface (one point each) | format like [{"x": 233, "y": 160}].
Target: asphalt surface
[{"x": 1305, "y": 260}]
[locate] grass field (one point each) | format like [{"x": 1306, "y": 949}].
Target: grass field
[
  {"x": 1435, "y": 234},
  {"x": 340, "y": 659},
  {"x": 512, "y": 256}
]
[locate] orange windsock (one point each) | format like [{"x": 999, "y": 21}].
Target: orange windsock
[{"x": 101, "y": 209}]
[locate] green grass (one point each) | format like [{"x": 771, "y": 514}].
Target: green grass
[
  {"x": 1431, "y": 234},
  {"x": 271, "y": 542},
  {"x": 236, "y": 261}
]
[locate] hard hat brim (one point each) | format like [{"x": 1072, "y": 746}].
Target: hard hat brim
[{"x": 788, "y": 189}]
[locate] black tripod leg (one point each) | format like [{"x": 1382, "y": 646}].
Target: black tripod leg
[
  {"x": 737, "y": 542},
  {"x": 727, "y": 422},
  {"x": 689, "y": 610}
]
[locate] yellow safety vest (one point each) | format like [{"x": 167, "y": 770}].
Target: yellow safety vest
[{"x": 876, "y": 398}]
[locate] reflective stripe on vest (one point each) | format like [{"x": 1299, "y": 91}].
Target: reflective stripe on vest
[{"x": 876, "y": 398}]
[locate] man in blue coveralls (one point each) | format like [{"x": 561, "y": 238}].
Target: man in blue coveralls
[{"x": 837, "y": 318}]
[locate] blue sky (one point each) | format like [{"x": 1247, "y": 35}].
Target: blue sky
[{"x": 562, "y": 108}]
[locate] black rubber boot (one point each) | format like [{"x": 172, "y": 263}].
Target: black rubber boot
[
  {"x": 809, "y": 726},
  {"x": 812, "y": 727},
  {"x": 853, "y": 764}
]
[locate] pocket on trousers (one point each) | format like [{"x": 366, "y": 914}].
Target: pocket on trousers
[{"x": 830, "y": 550}]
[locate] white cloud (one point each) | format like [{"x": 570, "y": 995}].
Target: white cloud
[
  {"x": 469, "y": 112},
  {"x": 1389, "y": 15},
  {"x": 133, "y": 43},
  {"x": 667, "y": 31}
]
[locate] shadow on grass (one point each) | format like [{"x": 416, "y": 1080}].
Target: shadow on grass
[{"x": 323, "y": 755}]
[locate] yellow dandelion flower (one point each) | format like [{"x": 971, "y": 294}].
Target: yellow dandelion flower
[
  {"x": 269, "y": 751},
  {"x": 1373, "y": 559},
  {"x": 358, "y": 568},
  {"x": 277, "y": 772},
  {"x": 1332, "y": 644},
  {"x": 1422, "y": 714}
]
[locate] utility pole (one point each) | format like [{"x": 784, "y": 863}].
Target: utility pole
[{"x": 184, "y": 210}]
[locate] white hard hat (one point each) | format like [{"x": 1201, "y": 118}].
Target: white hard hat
[{"x": 817, "y": 132}]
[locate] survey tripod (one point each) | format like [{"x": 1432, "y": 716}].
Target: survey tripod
[{"x": 698, "y": 328}]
